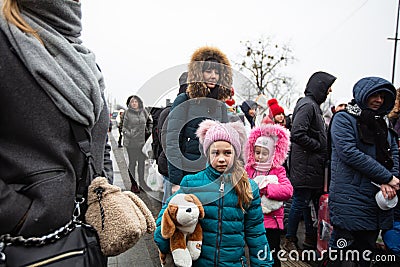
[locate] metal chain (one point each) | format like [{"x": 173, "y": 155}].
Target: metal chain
[
  {"x": 39, "y": 241},
  {"x": 49, "y": 238}
]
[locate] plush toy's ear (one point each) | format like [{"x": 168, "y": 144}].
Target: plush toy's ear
[
  {"x": 197, "y": 202},
  {"x": 167, "y": 222},
  {"x": 239, "y": 127}
]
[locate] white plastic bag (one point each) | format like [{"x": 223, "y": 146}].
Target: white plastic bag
[
  {"x": 154, "y": 179},
  {"x": 147, "y": 149}
]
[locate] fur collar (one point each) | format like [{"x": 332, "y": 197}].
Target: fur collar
[
  {"x": 197, "y": 88},
  {"x": 281, "y": 146}
]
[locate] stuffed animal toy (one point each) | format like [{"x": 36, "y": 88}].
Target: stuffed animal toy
[
  {"x": 180, "y": 224},
  {"x": 267, "y": 204}
]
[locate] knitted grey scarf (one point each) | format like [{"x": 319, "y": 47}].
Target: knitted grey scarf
[{"x": 63, "y": 67}]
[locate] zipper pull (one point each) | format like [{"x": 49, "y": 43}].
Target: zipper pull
[
  {"x": 99, "y": 193},
  {"x": 222, "y": 187}
]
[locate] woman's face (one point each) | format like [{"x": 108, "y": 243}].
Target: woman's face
[
  {"x": 134, "y": 103},
  {"x": 211, "y": 77},
  {"x": 375, "y": 101},
  {"x": 261, "y": 154},
  {"x": 221, "y": 155}
]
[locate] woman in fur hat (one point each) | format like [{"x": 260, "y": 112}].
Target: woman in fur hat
[{"x": 210, "y": 82}]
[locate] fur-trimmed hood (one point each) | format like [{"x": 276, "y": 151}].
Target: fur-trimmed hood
[
  {"x": 281, "y": 147},
  {"x": 196, "y": 87}
]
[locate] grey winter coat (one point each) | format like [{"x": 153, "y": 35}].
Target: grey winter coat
[
  {"x": 39, "y": 157},
  {"x": 136, "y": 127}
]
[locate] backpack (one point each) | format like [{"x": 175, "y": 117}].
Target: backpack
[
  {"x": 155, "y": 145},
  {"x": 162, "y": 130}
]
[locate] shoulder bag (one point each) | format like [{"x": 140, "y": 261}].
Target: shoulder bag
[{"x": 74, "y": 244}]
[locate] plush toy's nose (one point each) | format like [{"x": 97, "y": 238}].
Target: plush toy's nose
[{"x": 189, "y": 210}]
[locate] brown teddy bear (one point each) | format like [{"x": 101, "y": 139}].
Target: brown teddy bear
[{"x": 180, "y": 224}]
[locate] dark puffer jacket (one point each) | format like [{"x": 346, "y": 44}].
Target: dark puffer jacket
[
  {"x": 183, "y": 148},
  {"x": 353, "y": 167},
  {"x": 39, "y": 156},
  {"x": 309, "y": 134}
]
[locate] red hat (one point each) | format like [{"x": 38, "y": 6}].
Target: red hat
[{"x": 274, "y": 107}]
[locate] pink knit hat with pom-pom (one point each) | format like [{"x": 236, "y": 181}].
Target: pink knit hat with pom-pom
[{"x": 210, "y": 131}]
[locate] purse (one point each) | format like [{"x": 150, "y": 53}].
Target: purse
[
  {"x": 74, "y": 244},
  {"x": 120, "y": 218}
]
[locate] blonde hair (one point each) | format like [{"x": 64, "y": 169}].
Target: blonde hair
[
  {"x": 241, "y": 184},
  {"x": 394, "y": 114},
  {"x": 12, "y": 14}
]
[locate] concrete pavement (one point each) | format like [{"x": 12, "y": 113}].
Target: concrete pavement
[{"x": 144, "y": 253}]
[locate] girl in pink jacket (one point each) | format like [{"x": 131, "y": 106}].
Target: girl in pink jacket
[{"x": 266, "y": 150}]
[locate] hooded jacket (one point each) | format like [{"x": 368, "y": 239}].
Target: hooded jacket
[
  {"x": 354, "y": 166},
  {"x": 136, "y": 127},
  {"x": 245, "y": 107},
  {"x": 283, "y": 190},
  {"x": 309, "y": 134},
  {"x": 197, "y": 88},
  {"x": 191, "y": 108}
]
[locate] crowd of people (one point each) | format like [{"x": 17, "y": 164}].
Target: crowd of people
[
  {"x": 243, "y": 169},
  {"x": 287, "y": 157}
]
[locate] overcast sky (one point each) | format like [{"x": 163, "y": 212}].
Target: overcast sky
[{"x": 136, "y": 40}]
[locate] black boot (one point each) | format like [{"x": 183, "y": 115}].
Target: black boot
[
  {"x": 134, "y": 188},
  {"x": 310, "y": 242}
]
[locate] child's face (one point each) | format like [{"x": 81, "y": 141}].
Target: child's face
[
  {"x": 261, "y": 154},
  {"x": 221, "y": 155},
  {"x": 279, "y": 117}
]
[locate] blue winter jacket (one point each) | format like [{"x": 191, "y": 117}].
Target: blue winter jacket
[
  {"x": 353, "y": 166},
  {"x": 226, "y": 228}
]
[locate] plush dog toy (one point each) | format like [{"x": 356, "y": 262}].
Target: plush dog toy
[{"x": 180, "y": 224}]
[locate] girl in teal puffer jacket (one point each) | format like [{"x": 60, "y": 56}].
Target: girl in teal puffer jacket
[{"x": 233, "y": 215}]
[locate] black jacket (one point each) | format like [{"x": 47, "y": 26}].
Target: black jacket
[
  {"x": 162, "y": 130},
  {"x": 309, "y": 134},
  {"x": 183, "y": 147},
  {"x": 39, "y": 157}
]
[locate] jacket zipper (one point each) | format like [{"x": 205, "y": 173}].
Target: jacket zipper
[
  {"x": 276, "y": 220},
  {"x": 242, "y": 261},
  {"x": 57, "y": 258},
  {"x": 219, "y": 232}
]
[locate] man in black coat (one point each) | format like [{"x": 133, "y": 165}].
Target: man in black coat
[{"x": 308, "y": 157}]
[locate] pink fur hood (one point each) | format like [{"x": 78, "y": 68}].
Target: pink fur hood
[{"x": 281, "y": 147}]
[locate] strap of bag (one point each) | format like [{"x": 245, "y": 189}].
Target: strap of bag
[{"x": 82, "y": 137}]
